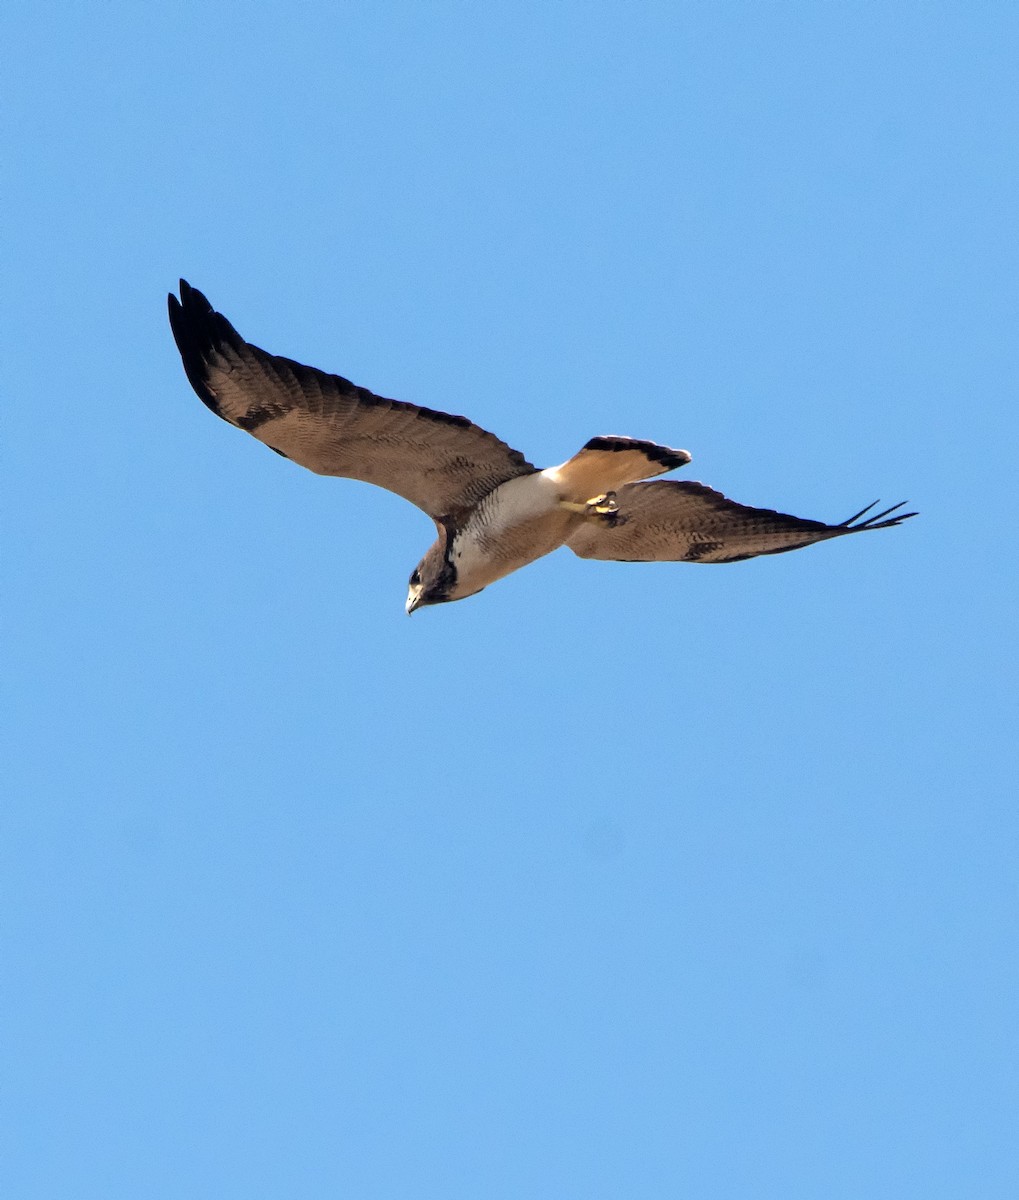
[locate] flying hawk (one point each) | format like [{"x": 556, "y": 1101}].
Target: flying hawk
[{"x": 494, "y": 511}]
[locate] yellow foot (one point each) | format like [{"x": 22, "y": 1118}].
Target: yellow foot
[{"x": 598, "y": 506}]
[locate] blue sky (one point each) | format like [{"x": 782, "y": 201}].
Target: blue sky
[{"x": 642, "y": 881}]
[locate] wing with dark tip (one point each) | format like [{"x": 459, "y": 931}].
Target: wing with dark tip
[
  {"x": 679, "y": 521},
  {"x": 444, "y": 464}
]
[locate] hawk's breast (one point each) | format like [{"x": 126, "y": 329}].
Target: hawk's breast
[{"x": 518, "y": 522}]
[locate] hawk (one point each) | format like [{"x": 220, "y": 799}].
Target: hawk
[{"x": 494, "y": 512}]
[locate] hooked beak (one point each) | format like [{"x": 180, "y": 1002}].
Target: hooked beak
[{"x": 413, "y": 600}]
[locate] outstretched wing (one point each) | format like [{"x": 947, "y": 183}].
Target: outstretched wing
[
  {"x": 679, "y": 521},
  {"x": 442, "y": 463}
]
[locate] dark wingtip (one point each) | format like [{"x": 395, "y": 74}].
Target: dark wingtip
[
  {"x": 856, "y": 516},
  {"x": 881, "y": 520},
  {"x": 192, "y": 298},
  {"x": 197, "y": 329}
]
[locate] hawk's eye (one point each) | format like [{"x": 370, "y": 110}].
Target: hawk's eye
[{"x": 415, "y": 579}]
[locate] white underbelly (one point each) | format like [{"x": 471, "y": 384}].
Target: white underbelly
[{"x": 517, "y": 523}]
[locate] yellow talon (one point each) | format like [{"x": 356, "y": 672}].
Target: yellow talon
[{"x": 602, "y": 506}]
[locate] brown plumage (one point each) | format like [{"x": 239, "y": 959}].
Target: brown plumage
[{"x": 494, "y": 511}]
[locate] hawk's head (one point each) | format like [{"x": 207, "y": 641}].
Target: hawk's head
[{"x": 433, "y": 580}]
